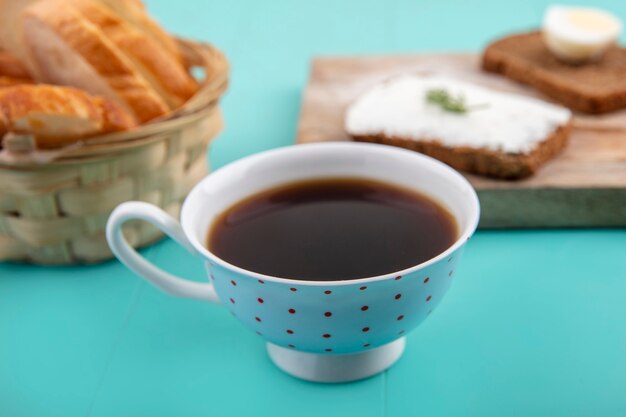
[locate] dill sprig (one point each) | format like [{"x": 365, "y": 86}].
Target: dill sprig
[{"x": 447, "y": 102}]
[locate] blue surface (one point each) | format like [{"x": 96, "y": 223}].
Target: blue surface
[{"x": 534, "y": 325}]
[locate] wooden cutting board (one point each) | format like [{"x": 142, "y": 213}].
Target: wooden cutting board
[{"x": 583, "y": 187}]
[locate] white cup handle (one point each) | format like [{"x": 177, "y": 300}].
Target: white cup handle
[{"x": 165, "y": 281}]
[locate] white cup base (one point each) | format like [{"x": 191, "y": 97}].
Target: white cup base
[{"x": 332, "y": 368}]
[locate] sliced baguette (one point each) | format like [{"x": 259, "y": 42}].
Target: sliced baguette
[
  {"x": 57, "y": 116},
  {"x": 67, "y": 49},
  {"x": 159, "y": 67}
]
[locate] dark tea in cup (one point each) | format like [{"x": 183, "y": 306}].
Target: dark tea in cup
[{"x": 332, "y": 229}]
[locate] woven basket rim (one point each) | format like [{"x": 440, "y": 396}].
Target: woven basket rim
[{"x": 212, "y": 87}]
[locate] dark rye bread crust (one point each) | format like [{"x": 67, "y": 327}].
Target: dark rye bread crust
[
  {"x": 595, "y": 88},
  {"x": 479, "y": 160}
]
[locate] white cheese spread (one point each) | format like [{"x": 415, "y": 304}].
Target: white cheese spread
[{"x": 494, "y": 120}]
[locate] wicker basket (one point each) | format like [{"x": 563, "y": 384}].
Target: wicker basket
[{"x": 55, "y": 212}]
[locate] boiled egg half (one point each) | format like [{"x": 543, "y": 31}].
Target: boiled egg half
[{"x": 579, "y": 34}]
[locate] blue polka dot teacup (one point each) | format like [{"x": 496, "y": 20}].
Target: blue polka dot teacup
[{"x": 326, "y": 331}]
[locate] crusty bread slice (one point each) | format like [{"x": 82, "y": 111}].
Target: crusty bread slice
[
  {"x": 159, "y": 67},
  {"x": 597, "y": 87},
  {"x": 468, "y": 126},
  {"x": 67, "y": 49},
  {"x": 487, "y": 162},
  {"x": 57, "y": 116},
  {"x": 134, "y": 12}
]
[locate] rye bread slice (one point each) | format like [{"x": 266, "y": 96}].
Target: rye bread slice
[
  {"x": 482, "y": 161},
  {"x": 595, "y": 88}
]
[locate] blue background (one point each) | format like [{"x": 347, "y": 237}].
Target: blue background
[{"x": 534, "y": 325}]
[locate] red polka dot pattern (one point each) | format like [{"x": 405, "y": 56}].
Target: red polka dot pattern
[{"x": 334, "y": 339}]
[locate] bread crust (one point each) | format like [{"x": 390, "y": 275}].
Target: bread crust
[
  {"x": 10, "y": 66},
  {"x": 85, "y": 39},
  {"x": 160, "y": 68},
  {"x": 134, "y": 12},
  {"x": 482, "y": 161},
  {"x": 57, "y": 116},
  {"x": 10, "y": 36},
  {"x": 12, "y": 72},
  {"x": 6, "y": 81},
  {"x": 591, "y": 88},
  {"x": 114, "y": 118}
]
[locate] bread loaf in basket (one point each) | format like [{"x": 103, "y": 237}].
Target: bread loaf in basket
[{"x": 54, "y": 203}]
